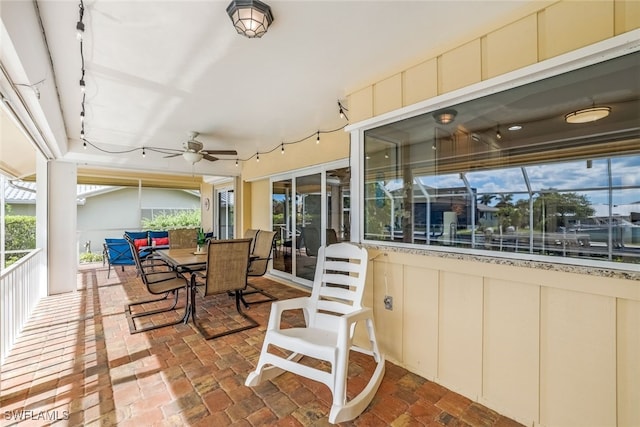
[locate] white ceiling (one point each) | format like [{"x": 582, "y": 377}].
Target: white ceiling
[{"x": 156, "y": 70}]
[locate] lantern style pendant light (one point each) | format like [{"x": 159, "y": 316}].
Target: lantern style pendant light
[{"x": 250, "y": 17}]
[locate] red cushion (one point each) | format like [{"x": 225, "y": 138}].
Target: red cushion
[
  {"x": 160, "y": 241},
  {"x": 140, "y": 242}
]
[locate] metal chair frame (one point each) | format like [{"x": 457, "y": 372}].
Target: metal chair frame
[
  {"x": 158, "y": 282},
  {"x": 226, "y": 272}
]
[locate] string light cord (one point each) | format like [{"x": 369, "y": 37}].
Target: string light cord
[
  {"x": 283, "y": 144},
  {"x": 129, "y": 150},
  {"x": 80, "y": 27}
]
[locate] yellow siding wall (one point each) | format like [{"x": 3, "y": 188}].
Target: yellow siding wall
[
  {"x": 543, "y": 347},
  {"x": 260, "y": 205},
  {"x": 555, "y": 29},
  {"x": 509, "y": 48},
  {"x": 539, "y": 346},
  {"x": 206, "y": 216},
  {"x": 570, "y": 25}
]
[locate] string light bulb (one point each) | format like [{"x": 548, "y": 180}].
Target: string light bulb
[
  {"x": 282, "y": 149},
  {"x": 79, "y": 30},
  {"x": 341, "y": 111},
  {"x": 144, "y": 154},
  {"x": 81, "y": 116},
  {"x": 498, "y": 134},
  {"x": 80, "y": 24},
  {"x": 82, "y": 85},
  {"x": 257, "y": 157},
  {"x": 236, "y": 162},
  {"x": 318, "y": 137},
  {"x": 84, "y": 144}
]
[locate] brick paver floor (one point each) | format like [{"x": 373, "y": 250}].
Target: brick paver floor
[{"x": 77, "y": 364}]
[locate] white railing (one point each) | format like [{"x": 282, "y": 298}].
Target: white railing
[{"x": 21, "y": 287}]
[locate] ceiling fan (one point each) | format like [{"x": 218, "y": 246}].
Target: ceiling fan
[{"x": 193, "y": 151}]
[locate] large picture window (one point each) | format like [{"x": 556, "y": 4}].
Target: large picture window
[{"x": 510, "y": 172}]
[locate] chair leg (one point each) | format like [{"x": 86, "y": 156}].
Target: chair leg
[
  {"x": 256, "y": 290},
  {"x": 206, "y": 335},
  {"x": 131, "y": 317}
]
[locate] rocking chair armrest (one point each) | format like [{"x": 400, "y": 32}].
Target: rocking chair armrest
[
  {"x": 356, "y": 316},
  {"x": 278, "y": 307},
  {"x": 349, "y": 319}
]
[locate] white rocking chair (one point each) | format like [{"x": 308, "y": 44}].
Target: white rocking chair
[{"x": 331, "y": 314}]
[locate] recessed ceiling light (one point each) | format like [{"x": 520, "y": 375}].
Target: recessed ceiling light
[
  {"x": 515, "y": 127},
  {"x": 587, "y": 115}
]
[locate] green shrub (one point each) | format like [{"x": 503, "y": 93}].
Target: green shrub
[
  {"x": 20, "y": 232},
  {"x": 164, "y": 221},
  {"x": 90, "y": 257}
]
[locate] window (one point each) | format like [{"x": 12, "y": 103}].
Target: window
[{"x": 507, "y": 173}]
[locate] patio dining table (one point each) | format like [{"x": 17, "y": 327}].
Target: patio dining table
[
  {"x": 187, "y": 260},
  {"x": 184, "y": 259}
]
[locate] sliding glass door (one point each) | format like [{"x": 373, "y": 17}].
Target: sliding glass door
[
  {"x": 309, "y": 222},
  {"x": 225, "y": 202},
  {"x": 309, "y": 209}
]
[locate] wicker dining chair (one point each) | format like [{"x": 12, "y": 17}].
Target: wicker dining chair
[
  {"x": 159, "y": 279},
  {"x": 183, "y": 238},
  {"x": 260, "y": 256},
  {"x": 226, "y": 271}
]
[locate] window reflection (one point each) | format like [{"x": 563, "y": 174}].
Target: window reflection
[{"x": 550, "y": 188}]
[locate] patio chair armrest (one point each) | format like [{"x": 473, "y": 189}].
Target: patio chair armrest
[{"x": 162, "y": 276}]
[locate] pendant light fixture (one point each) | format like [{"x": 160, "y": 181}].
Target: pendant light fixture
[
  {"x": 444, "y": 117},
  {"x": 251, "y": 18}
]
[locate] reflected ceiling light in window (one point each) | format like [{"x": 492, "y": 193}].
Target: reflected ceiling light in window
[
  {"x": 192, "y": 157},
  {"x": 515, "y": 127},
  {"x": 444, "y": 117},
  {"x": 587, "y": 115},
  {"x": 250, "y": 17}
]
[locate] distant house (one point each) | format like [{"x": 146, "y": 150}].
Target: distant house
[{"x": 105, "y": 211}]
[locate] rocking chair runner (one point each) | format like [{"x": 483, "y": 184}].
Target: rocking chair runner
[{"x": 331, "y": 314}]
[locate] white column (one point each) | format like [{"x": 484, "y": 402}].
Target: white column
[{"x": 56, "y": 217}]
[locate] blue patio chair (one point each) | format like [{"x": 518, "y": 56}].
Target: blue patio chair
[{"x": 117, "y": 252}]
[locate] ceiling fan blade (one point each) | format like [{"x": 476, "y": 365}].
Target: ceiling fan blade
[
  {"x": 173, "y": 155},
  {"x": 194, "y": 145},
  {"x": 208, "y": 157},
  {"x": 220, "y": 152}
]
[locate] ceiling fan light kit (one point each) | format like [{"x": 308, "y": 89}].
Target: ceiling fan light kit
[{"x": 192, "y": 157}]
